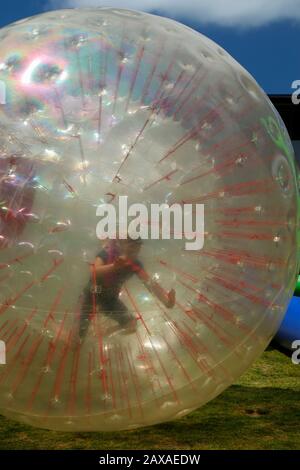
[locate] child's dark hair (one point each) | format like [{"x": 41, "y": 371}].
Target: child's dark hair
[
  {"x": 137, "y": 240},
  {"x": 127, "y": 237}
]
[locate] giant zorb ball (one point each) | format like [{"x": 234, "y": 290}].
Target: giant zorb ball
[{"x": 103, "y": 103}]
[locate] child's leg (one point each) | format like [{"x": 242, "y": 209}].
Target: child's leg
[
  {"x": 85, "y": 311},
  {"x": 123, "y": 316}
]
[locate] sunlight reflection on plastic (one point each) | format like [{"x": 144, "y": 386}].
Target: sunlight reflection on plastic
[{"x": 105, "y": 103}]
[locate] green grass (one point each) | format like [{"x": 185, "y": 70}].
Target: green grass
[{"x": 261, "y": 411}]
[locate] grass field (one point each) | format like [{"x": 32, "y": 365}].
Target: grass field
[{"x": 260, "y": 411}]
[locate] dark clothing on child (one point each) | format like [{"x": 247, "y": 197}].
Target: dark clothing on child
[{"x": 105, "y": 293}]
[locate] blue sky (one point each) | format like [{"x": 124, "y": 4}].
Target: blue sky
[{"x": 265, "y": 41}]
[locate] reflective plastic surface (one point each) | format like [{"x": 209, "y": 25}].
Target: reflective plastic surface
[{"x": 102, "y": 103}]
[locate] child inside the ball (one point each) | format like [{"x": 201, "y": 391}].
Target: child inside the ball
[{"x": 116, "y": 263}]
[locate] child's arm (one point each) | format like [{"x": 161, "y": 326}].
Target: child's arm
[{"x": 167, "y": 298}]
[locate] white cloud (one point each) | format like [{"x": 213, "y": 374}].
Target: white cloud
[{"x": 241, "y": 13}]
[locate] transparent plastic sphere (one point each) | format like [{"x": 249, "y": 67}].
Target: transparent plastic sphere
[{"x": 102, "y": 103}]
